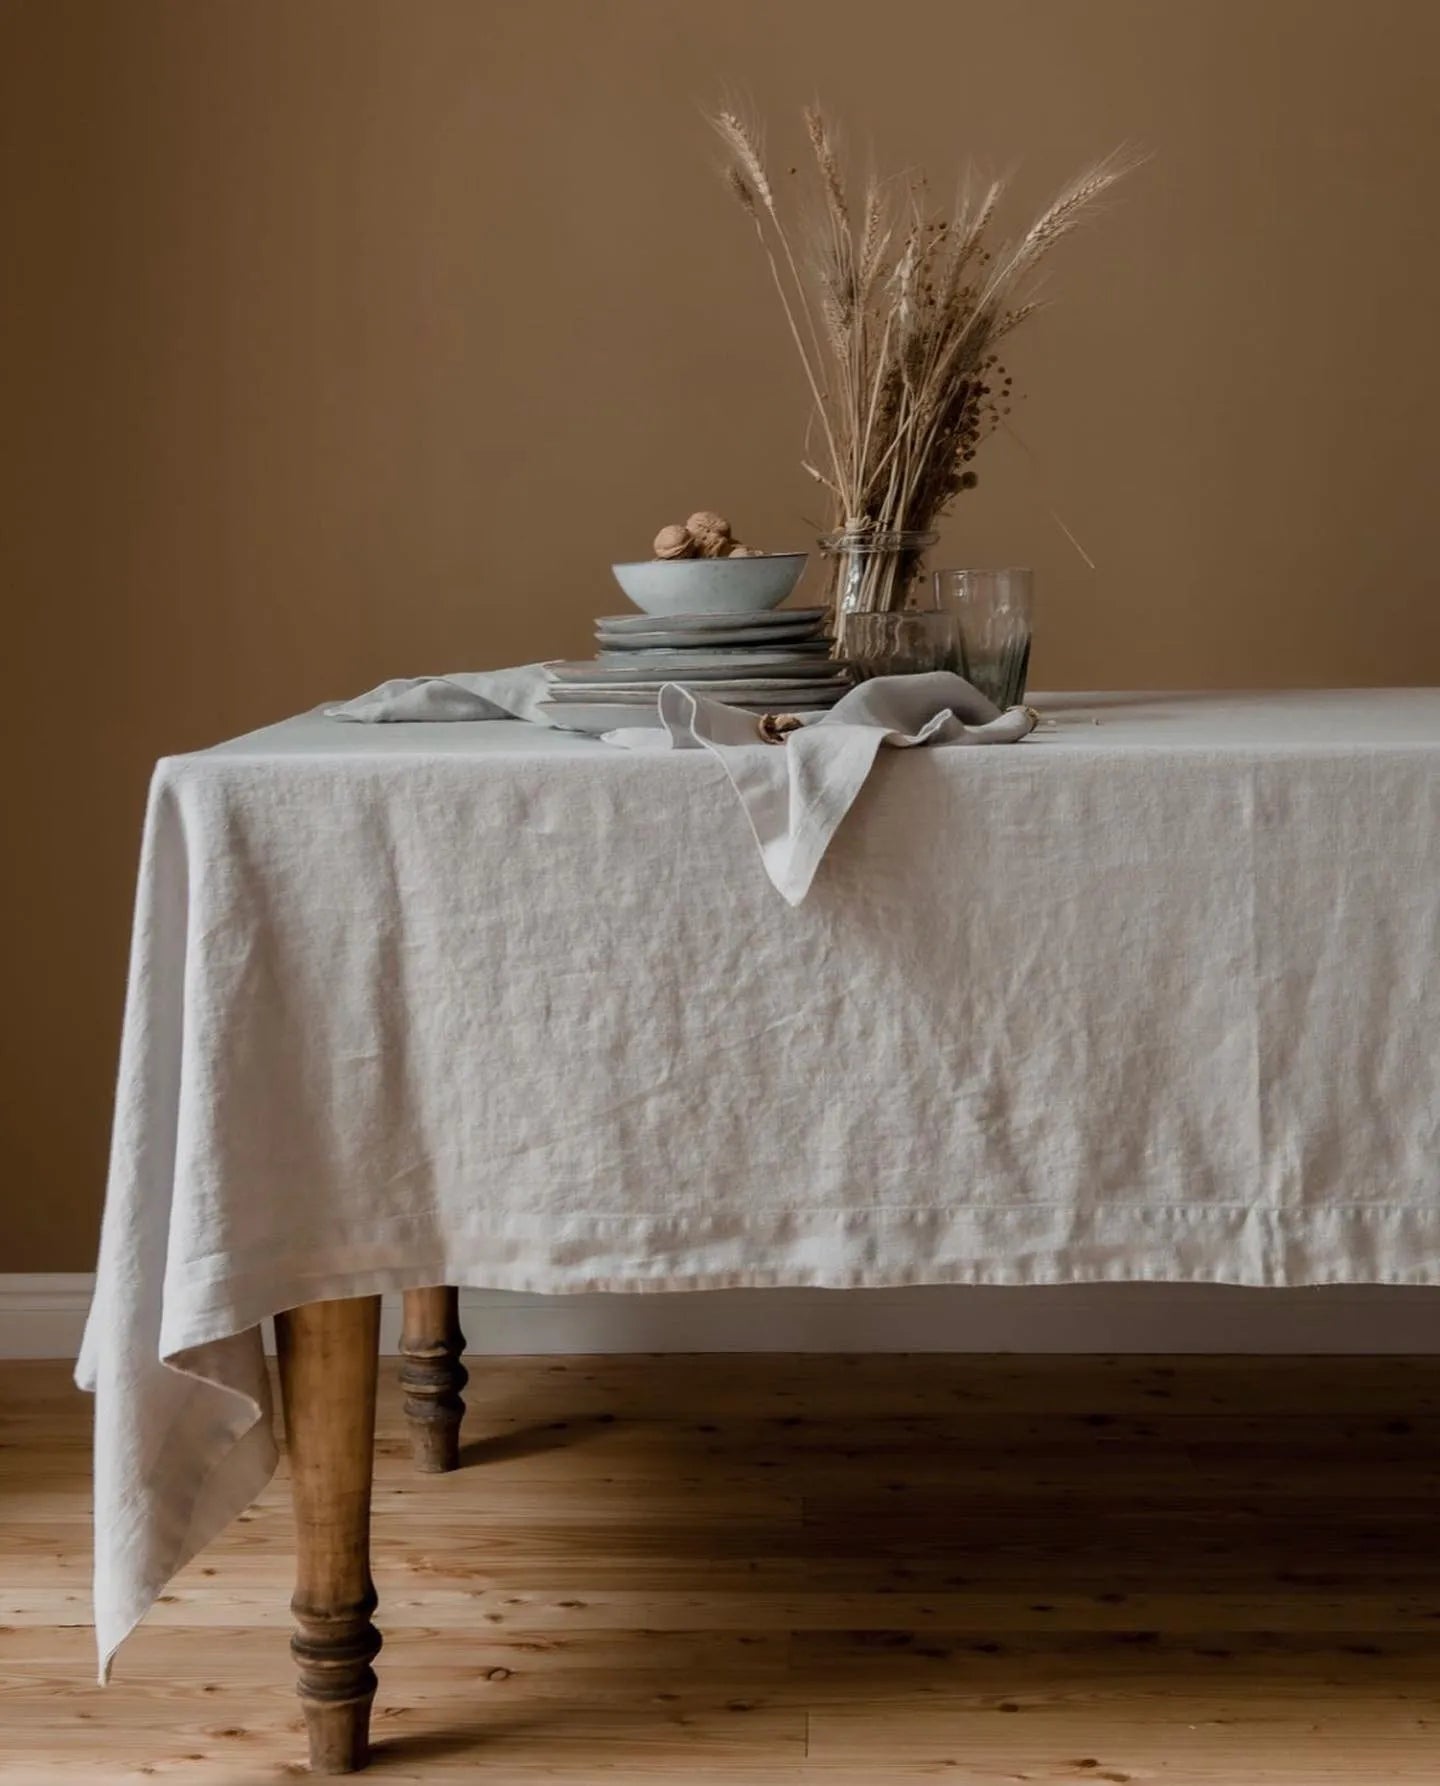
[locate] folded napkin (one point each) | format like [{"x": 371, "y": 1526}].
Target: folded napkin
[
  {"x": 795, "y": 795},
  {"x": 487, "y": 694}
]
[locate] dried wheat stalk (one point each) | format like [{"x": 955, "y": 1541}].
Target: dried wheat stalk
[{"x": 897, "y": 311}]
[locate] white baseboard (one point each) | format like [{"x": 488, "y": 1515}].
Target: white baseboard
[{"x": 42, "y": 1315}]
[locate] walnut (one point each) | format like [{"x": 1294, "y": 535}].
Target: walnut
[
  {"x": 675, "y": 542},
  {"x": 775, "y": 728},
  {"x": 705, "y": 522}
]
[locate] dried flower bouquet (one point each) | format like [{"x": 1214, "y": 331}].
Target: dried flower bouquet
[{"x": 898, "y": 313}]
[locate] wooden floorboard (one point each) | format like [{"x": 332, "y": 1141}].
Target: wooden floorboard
[{"x": 768, "y": 1571}]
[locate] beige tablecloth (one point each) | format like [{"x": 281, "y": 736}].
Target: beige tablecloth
[
  {"x": 795, "y": 798},
  {"x": 1150, "y": 995}
]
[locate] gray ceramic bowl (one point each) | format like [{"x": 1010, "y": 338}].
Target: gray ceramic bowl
[{"x": 710, "y": 585}]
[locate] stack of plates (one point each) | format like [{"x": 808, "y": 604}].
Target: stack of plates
[{"x": 775, "y": 661}]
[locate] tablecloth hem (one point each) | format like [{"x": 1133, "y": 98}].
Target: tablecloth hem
[{"x": 1271, "y": 1249}]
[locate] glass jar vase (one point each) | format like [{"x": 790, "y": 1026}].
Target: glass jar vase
[
  {"x": 908, "y": 643},
  {"x": 876, "y": 579}
]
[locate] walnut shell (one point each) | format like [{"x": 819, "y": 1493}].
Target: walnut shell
[
  {"x": 675, "y": 542},
  {"x": 705, "y": 521}
]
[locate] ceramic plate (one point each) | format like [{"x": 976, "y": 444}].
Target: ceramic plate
[
  {"x": 660, "y": 668},
  {"x": 717, "y": 641},
  {"x": 699, "y": 623},
  {"x": 764, "y": 691},
  {"x": 736, "y": 657},
  {"x": 610, "y": 716}
]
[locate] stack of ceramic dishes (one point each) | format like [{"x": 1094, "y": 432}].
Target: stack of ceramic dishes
[{"x": 774, "y": 661}]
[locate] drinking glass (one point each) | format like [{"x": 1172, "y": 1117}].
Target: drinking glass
[{"x": 992, "y": 611}]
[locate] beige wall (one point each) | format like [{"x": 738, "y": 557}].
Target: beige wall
[{"x": 348, "y": 338}]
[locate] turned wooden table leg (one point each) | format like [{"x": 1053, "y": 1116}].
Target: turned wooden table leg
[
  {"x": 432, "y": 1377},
  {"x": 327, "y": 1380}
]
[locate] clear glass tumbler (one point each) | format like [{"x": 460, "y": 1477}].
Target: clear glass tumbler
[{"x": 992, "y": 610}]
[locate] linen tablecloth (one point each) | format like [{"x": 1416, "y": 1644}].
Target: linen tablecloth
[
  {"x": 1149, "y": 995},
  {"x": 797, "y": 798}
]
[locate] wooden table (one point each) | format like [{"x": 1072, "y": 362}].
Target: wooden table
[{"x": 328, "y": 1362}]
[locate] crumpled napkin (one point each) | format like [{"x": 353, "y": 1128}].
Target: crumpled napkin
[{"x": 796, "y": 794}]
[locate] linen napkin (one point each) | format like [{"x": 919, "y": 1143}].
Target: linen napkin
[
  {"x": 486, "y": 694},
  {"x": 796, "y": 794}
]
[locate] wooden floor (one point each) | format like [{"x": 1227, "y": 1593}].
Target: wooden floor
[{"x": 765, "y": 1571}]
